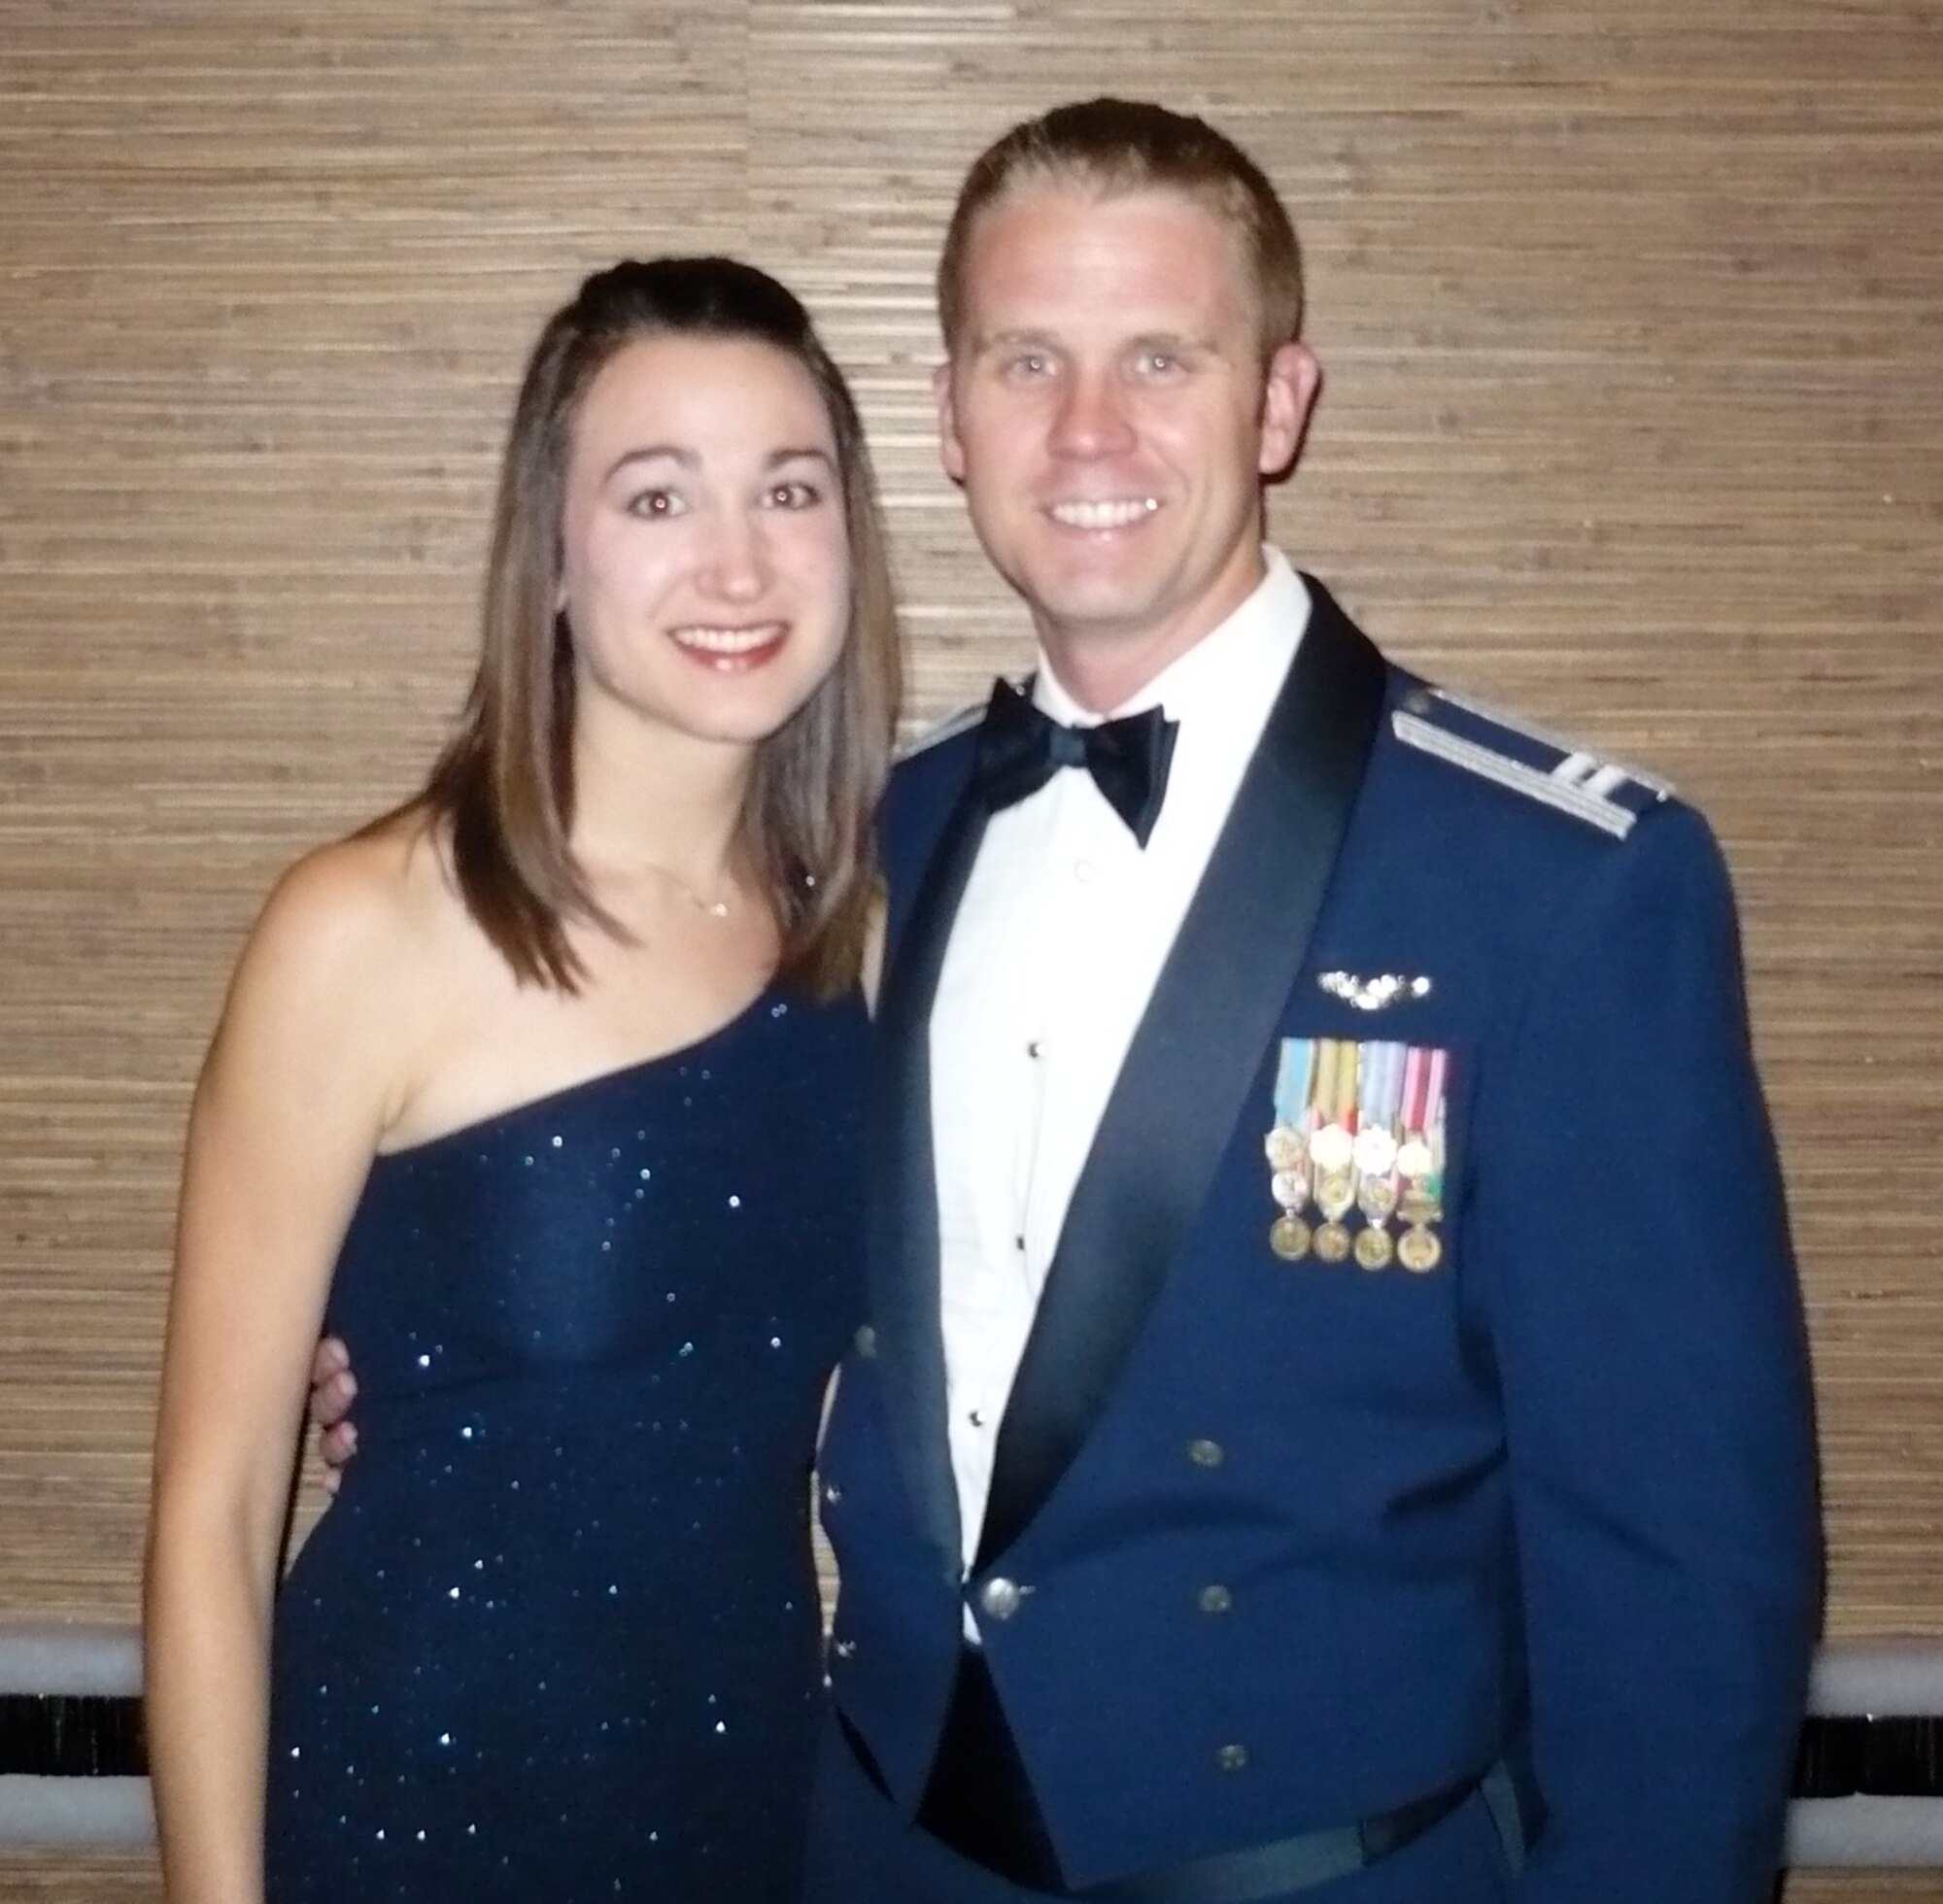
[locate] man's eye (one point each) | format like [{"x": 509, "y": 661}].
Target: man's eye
[
  {"x": 1160, "y": 364},
  {"x": 655, "y": 502},
  {"x": 1029, "y": 364}
]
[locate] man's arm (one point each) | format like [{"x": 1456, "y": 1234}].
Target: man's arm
[
  {"x": 332, "y": 1390},
  {"x": 1632, "y": 1247}
]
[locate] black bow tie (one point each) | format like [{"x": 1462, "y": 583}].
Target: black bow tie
[{"x": 1021, "y": 747}]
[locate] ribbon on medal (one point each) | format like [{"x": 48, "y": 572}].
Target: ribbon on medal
[
  {"x": 1419, "y": 1161},
  {"x": 1332, "y": 1149},
  {"x": 1287, "y": 1148}
]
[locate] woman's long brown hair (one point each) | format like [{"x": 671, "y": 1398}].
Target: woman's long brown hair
[{"x": 504, "y": 784}]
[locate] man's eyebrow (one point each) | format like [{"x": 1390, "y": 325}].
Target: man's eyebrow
[
  {"x": 1001, "y": 340},
  {"x": 1146, "y": 340},
  {"x": 1173, "y": 340}
]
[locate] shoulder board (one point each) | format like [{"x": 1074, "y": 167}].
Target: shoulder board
[
  {"x": 1543, "y": 767},
  {"x": 942, "y": 730}
]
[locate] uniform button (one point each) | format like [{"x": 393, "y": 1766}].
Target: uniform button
[
  {"x": 832, "y": 1495},
  {"x": 1418, "y": 702},
  {"x": 1001, "y": 1597},
  {"x": 1204, "y": 1453},
  {"x": 1082, "y": 870},
  {"x": 867, "y": 1341},
  {"x": 1215, "y": 1599},
  {"x": 1232, "y": 1758},
  {"x": 844, "y": 1648}
]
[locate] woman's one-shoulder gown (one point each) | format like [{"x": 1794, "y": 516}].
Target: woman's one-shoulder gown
[{"x": 557, "y": 1639}]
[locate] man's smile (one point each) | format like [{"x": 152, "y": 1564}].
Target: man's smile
[{"x": 1119, "y": 512}]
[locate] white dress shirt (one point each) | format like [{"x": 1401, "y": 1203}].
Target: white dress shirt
[{"x": 1059, "y": 936}]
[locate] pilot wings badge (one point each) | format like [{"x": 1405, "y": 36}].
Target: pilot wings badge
[{"x": 1385, "y": 988}]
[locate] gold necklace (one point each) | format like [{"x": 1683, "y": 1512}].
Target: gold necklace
[{"x": 714, "y": 908}]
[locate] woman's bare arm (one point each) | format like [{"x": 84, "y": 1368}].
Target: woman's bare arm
[{"x": 288, "y": 1109}]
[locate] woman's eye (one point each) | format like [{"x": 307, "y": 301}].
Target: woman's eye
[
  {"x": 794, "y": 495},
  {"x": 655, "y": 502}
]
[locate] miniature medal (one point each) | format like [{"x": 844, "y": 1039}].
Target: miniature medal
[
  {"x": 1380, "y": 1100},
  {"x": 1286, "y": 1148},
  {"x": 1420, "y": 1250},
  {"x": 1289, "y": 1237},
  {"x": 1331, "y": 1241},
  {"x": 1419, "y": 1161},
  {"x": 1374, "y": 1250}
]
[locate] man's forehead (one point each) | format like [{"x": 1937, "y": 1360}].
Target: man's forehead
[
  {"x": 1097, "y": 204},
  {"x": 1048, "y": 252}
]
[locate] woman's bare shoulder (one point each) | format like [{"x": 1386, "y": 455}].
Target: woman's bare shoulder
[
  {"x": 372, "y": 894},
  {"x": 353, "y": 925}
]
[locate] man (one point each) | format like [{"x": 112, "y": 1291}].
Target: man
[{"x": 1333, "y": 1420}]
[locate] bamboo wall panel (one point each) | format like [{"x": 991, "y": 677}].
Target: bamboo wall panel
[
  {"x": 1630, "y": 319},
  {"x": 61, "y": 1877}
]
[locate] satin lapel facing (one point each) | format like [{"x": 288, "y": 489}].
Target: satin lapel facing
[
  {"x": 1174, "y": 1106},
  {"x": 902, "y": 1197}
]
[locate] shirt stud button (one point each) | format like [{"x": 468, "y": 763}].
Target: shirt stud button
[{"x": 1000, "y": 1597}]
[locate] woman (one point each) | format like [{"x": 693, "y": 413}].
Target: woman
[{"x": 548, "y": 1082}]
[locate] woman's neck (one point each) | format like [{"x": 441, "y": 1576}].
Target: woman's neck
[{"x": 666, "y": 803}]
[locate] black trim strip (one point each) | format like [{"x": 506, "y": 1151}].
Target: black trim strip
[
  {"x": 72, "y": 1735},
  {"x": 57, "y": 1735},
  {"x": 1882, "y": 1757}
]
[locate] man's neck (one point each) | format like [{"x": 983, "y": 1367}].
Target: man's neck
[{"x": 1104, "y": 669}]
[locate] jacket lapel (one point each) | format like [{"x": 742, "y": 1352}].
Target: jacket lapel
[
  {"x": 1173, "y": 1108},
  {"x": 902, "y": 1200}
]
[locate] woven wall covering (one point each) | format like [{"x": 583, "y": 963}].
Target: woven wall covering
[{"x": 1630, "y": 318}]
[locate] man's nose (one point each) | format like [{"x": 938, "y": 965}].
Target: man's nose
[{"x": 1092, "y": 418}]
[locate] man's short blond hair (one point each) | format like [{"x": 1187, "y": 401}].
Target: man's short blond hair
[{"x": 1113, "y": 146}]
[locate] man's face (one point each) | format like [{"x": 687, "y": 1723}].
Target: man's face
[{"x": 1108, "y": 415}]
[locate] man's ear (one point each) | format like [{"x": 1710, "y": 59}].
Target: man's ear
[
  {"x": 1294, "y": 377},
  {"x": 950, "y": 451}
]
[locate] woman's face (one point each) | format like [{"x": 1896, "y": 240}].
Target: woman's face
[{"x": 705, "y": 561}]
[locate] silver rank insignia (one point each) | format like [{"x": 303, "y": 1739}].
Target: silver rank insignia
[{"x": 1527, "y": 760}]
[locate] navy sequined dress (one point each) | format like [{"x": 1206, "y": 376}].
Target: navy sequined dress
[{"x": 559, "y": 1640}]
